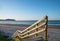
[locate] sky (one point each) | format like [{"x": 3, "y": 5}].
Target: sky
[{"x": 29, "y": 9}]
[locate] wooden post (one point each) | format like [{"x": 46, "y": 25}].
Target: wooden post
[
  {"x": 15, "y": 39},
  {"x": 36, "y": 31},
  {"x": 45, "y": 32},
  {"x": 28, "y": 33}
]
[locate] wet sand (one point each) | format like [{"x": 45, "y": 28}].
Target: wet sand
[{"x": 9, "y": 29}]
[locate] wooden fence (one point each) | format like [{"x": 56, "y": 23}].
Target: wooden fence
[{"x": 18, "y": 35}]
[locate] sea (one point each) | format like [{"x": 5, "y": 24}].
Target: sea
[{"x": 29, "y": 22}]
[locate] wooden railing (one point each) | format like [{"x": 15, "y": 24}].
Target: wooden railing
[{"x": 34, "y": 27}]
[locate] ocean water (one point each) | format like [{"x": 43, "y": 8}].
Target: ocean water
[{"x": 29, "y": 22}]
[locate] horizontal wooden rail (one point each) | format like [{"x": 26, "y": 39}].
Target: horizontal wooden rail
[
  {"x": 33, "y": 29},
  {"x": 34, "y": 33}
]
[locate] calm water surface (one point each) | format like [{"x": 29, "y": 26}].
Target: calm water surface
[{"x": 28, "y": 22}]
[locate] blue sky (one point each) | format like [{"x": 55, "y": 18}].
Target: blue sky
[{"x": 29, "y": 9}]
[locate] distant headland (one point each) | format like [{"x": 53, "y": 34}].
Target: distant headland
[{"x": 7, "y": 20}]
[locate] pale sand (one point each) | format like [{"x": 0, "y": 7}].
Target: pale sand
[{"x": 8, "y": 29}]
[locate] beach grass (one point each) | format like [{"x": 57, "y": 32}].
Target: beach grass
[{"x": 5, "y": 38}]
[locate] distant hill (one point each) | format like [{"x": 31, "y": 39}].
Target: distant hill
[{"x": 7, "y": 19}]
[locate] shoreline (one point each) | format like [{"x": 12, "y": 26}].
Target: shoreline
[
  {"x": 26, "y": 24},
  {"x": 15, "y": 24},
  {"x": 49, "y": 26}
]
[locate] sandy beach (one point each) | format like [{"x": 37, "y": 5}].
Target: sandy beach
[{"x": 9, "y": 29}]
